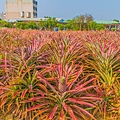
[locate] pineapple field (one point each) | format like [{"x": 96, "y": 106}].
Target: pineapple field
[{"x": 64, "y": 75}]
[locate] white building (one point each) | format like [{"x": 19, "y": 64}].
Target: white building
[{"x": 21, "y": 9}]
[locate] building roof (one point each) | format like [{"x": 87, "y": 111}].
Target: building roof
[
  {"x": 33, "y": 19},
  {"x": 21, "y": 0},
  {"x": 106, "y": 22},
  {"x": 11, "y": 0}
]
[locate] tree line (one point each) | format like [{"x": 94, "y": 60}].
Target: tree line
[{"x": 80, "y": 22}]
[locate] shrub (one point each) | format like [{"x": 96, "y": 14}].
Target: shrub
[{"x": 31, "y": 25}]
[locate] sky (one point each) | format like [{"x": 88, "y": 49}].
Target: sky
[{"x": 68, "y": 9}]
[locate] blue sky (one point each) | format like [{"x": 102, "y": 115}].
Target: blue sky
[{"x": 67, "y": 9}]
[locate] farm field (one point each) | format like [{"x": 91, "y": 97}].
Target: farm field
[{"x": 65, "y": 75}]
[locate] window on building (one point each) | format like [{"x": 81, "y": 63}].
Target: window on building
[
  {"x": 34, "y": 14},
  {"x": 22, "y": 14},
  {"x": 35, "y": 2},
  {"x": 28, "y": 15}
]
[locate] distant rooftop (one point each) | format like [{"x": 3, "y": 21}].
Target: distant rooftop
[
  {"x": 106, "y": 22},
  {"x": 17, "y": 0},
  {"x": 34, "y": 20}
]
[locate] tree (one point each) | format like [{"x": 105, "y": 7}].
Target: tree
[
  {"x": 100, "y": 27},
  {"x": 51, "y": 23},
  {"x": 92, "y": 25},
  {"x": 88, "y": 19},
  {"x": 5, "y": 24},
  {"x": 60, "y": 26},
  {"x": 116, "y": 20},
  {"x": 31, "y": 25},
  {"x": 83, "y": 20},
  {"x": 48, "y": 24},
  {"x": 80, "y": 21},
  {"x": 20, "y": 25},
  {"x": 70, "y": 25}
]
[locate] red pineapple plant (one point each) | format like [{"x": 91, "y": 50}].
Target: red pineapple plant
[
  {"x": 20, "y": 81},
  {"x": 65, "y": 90},
  {"x": 103, "y": 61}
]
